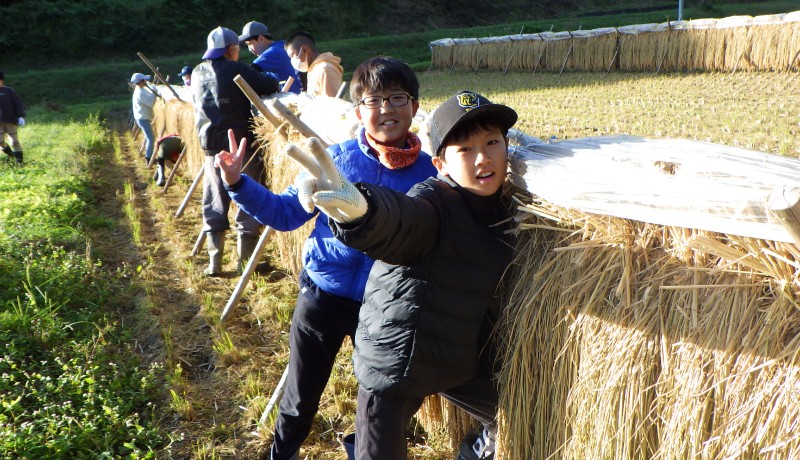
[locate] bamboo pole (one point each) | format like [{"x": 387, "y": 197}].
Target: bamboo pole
[
  {"x": 174, "y": 168},
  {"x": 158, "y": 75},
  {"x": 190, "y": 192},
  {"x": 616, "y": 53}
]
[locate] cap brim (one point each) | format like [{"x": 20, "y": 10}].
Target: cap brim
[
  {"x": 243, "y": 38},
  {"x": 214, "y": 53},
  {"x": 504, "y": 114}
]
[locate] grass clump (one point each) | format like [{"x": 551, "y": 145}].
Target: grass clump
[{"x": 71, "y": 385}]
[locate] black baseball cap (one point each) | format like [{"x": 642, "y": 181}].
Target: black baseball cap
[{"x": 462, "y": 108}]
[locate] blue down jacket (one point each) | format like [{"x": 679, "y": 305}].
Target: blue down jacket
[{"x": 334, "y": 267}]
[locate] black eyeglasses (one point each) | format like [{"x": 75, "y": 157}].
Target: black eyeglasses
[{"x": 395, "y": 100}]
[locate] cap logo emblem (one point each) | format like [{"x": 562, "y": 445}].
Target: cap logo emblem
[{"x": 468, "y": 101}]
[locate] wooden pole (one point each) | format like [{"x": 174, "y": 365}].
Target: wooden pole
[
  {"x": 158, "y": 75},
  {"x": 174, "y": 168},
  {"x": 191, "y": 191},
  {"x": 536, "y": 66},
  {"x": 666, "y": 48},
  {"x": 256, "y": 100},
  {"x": 198, "y": 243},
  {"x": 784, "y": 204},
  {"x": 248, "y": 272},
  {"x": 283, "y": 112},
  {"x": 569, "y": 53},
  {"x": 287, "y": 85},
  {"x": 616, "y": 53},
  {"x": 340, "y": 93},
  {"x": 276, "y": 396}
]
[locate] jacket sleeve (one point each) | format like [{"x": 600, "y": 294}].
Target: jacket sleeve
[
  {"x": 281, "y": 212},
  {"x": 19, "y": 107},
  {"x": 262, "y": 84},
  {"x": 398, "y": 229}
]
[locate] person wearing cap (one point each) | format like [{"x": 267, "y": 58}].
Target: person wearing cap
[
  {"x": 12, "y": 117},
  {"x": 186, "y": 75},
  {"x": 323, "y": 70},
  {"x": 434, "y": 294},
  {"x": 220, "y": 105},
  {"x": 271, "y": 56},
  {"x": 144, "y": 98},
  {"x": 384, "y": 151}
]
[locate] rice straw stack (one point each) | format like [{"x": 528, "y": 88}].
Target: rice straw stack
[{"x": 628, "y": 340}]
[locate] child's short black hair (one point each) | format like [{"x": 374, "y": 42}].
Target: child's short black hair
[
  {"x": 381, "y": 72},
  {"x": 302, "y": 38}
]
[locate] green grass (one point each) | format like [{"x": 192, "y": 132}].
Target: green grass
[
  {"x": 75, "y": 92},
  {"x": 71, "y": 386}
]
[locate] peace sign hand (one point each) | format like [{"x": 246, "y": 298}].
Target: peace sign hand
[
  {"x": 324, "y": 186},
  {"x": 230, "y": 162}
]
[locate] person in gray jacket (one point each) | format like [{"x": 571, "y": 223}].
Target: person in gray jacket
[
  {"x": 433, "y": 295},
  {"x": 221, "y": 105}
]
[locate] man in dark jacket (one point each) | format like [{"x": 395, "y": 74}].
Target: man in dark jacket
[
  {"x": 431, "y": 299},
  {"x": 221, "y": 105},
  {"x": 12, "y": 116}
]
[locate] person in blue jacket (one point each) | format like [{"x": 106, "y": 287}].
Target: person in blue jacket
[
  {"x": 271, "y": 57},
  {"x": 385, "y": 92}
]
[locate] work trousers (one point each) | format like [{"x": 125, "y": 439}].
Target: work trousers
[
  {"x": 382, "y": 420},
  {"x": 320, "y": 323},
  {"x": 11, "y": 130},
  {"x": 149, "y": 138},
  {"x": 216, "y": 200}
]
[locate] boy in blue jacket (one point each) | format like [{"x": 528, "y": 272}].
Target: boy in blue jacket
[
  {"x": 432, "y": 296},
  {"x": 385, "y": 92}
]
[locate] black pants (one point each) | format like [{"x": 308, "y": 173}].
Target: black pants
[
  {"x": 381, "y": 420},
  {"x": 320, "y": 323}
]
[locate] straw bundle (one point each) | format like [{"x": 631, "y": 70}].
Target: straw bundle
[
  {"x": 281, "y": 172},
  {"x": 770, "y": 42},
  {"x": 632, "y": 340},
  {"x": 173, "y": 116},
  {"x": 442, "y": 54},
  {"x": 594, "y": 52}
]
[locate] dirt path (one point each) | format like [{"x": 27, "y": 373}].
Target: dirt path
[{"x": 219, "y": 377}]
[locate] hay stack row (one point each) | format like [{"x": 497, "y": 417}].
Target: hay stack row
[{"x": 769, "y": 43}]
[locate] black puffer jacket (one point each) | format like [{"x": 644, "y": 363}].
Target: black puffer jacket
[
  {"x": 430, "y": 294},
  {"x": 220, "y": 104}
]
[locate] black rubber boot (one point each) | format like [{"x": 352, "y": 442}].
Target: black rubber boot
[
  {"x": 18, "y": 157},
  {"x": 7, "y": 150},
  {"x": 216, "y": 246}
]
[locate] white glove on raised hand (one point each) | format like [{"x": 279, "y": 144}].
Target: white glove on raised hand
[
  {"x": 21, "y": 122},
  {"x": 327, "y": 188}
]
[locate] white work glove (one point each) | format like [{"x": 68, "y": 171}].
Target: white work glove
[
  {"x": 325, "y": 187},
  {"x": 21, "y": 122},
  {"x": 305, "y": 183}
]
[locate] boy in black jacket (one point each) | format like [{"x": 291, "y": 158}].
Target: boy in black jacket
[{"x": 431, "y": 298}]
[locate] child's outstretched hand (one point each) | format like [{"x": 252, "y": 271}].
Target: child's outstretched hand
[
  {"x": 324, "y": 186},
  {"x": 230, "y": 162}
]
